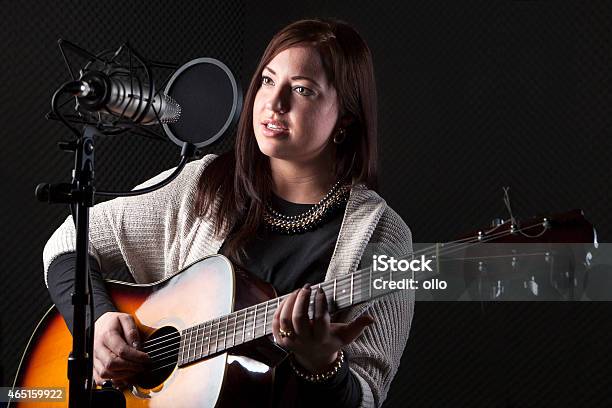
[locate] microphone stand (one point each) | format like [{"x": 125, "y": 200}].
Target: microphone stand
[
  {"x": 80, "y": 194},
  {"x": 80, "y": 362}
]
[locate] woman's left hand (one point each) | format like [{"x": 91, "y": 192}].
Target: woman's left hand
[{"x": 315, "y": 343}]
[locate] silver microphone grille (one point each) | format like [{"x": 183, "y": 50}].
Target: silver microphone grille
[
  {"x": 128, "y": 99},
  {"x": 171, "y": 111}
]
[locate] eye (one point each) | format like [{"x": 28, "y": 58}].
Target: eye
[
  {"x": 266, "y": 80},
  {"x": 303, "y": 91}
]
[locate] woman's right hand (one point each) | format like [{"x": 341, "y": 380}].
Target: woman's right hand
[{"x": 116, "y": 354}]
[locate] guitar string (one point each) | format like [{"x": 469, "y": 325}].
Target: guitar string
[
  {"x": 171, "y": 345},
  {"x": 159, "y": 368},
  {"x": 200, "y": 341},
  {"x": 254, "y": 326},
  {"x": 344, "y": 284},
  {"x": 210, "y": 341},
  {"x": 177, "y": 352},
  {"x": 165, "y": 352},
  {"x": 448, "y": 247},
  {"x": 218, "y": 330},
  {"x": 166, "y": 338},
  {"x": 248, "y": 329}
]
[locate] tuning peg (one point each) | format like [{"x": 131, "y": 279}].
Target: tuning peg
[{"x": 496, "y": 222}]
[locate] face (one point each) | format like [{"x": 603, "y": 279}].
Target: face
[{"x": 296, "y": 108}]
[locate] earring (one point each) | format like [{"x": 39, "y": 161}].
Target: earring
[{"x": 340, "y": 136}]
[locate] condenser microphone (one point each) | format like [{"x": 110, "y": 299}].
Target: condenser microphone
[
  {"x": 125, "y": 97},
  {"x": 115, "y": 91}
]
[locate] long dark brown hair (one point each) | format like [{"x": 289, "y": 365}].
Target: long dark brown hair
[{"x": 240, "y": 179}]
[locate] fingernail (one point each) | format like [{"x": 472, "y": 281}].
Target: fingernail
[
  {"x": 307, "y": 286},
  {"x": 135, "y": 344}
]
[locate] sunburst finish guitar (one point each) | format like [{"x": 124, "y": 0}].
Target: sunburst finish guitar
[{"x": 188, "y": 325}]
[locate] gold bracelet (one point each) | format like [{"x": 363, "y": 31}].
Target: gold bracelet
[{"x": 319, "y": 378}]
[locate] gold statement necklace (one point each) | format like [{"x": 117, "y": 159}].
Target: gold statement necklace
[{"x": 313, "y": 217}]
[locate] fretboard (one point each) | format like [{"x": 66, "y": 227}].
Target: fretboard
[
  {"x": 242, "y": 326},
  {"x": 220, "y": 334}
]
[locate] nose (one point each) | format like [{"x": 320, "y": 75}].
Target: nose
[{"x": 278, "y": 101}]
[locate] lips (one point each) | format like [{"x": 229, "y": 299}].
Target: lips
[
  {"x": 279, "y": 128},
  {"x": 273, "y": 132},
  {"x": 278, "y": 124}
]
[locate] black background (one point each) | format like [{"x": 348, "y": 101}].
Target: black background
[{"x": 473, "y": 96}]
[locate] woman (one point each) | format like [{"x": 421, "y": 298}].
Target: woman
[{"x": 293, "y": 203}]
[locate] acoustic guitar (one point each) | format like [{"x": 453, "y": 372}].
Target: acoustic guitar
[{"x": 207, "y": 329}]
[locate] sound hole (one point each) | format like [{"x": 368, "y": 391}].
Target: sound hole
[{"x": 162, "y": 347}]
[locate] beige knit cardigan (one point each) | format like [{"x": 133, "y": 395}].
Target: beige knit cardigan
[{"x": 159, "y": 233}]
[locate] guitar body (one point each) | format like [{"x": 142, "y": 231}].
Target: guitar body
[{"x": 201, "y": 292}]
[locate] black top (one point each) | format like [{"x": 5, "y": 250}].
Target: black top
[
  {"x": 290, "y": 261},
  {"x": 285, "y": 261}
]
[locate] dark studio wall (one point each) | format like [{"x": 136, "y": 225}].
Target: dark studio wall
[{"x": 473, "y": 96}]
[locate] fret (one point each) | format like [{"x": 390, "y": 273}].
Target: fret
[
  {"x": 194, "y": 345},
  {"x": 194, "y": 330},
  {"x": 186, "y": 350},
  {"x": 201, "y": 351},
  {"x": 244, "y": 325},
  {"x": 225, "y": 333},
  {"x": 188, "y": 343},
  {"x": 265, "y": 319},
  {"x": 182, "y": 347},
  {"x": 207, "y": 338},
  {"x": 186, "y": 346},
  {"x": 195, "y": 341},
  {"x": 217, "y": 335},
  {"x": 210, "y": 336},
  {"x": 254, "y": 322},
  {"x": 242, "y": 317},
  {"x": 235, "y": 325},
  {"x": 351, "y": 295}
]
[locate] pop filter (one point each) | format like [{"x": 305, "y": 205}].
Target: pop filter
[{"x": 210, "y": 100}]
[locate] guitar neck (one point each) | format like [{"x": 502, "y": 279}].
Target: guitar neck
[
  {"x": 243, "y": 326},
  {"x": 248, "y": 324}
]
